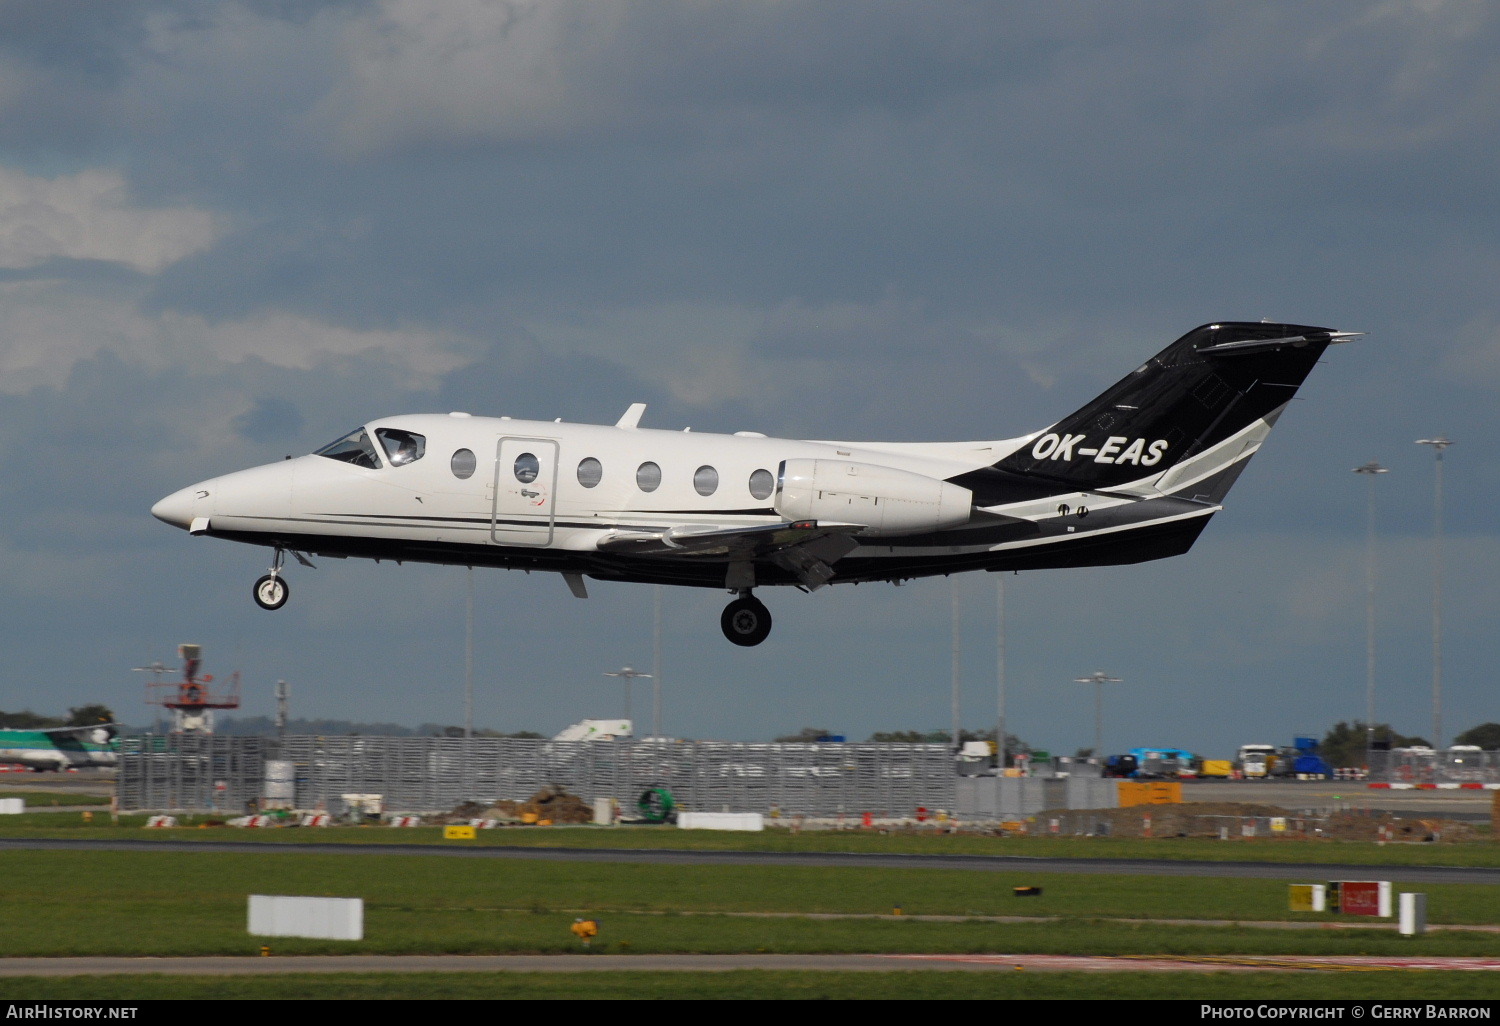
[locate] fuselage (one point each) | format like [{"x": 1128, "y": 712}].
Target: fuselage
[
  {"x": 547, "y": 495},
  {"x": 39, "y": 750}
]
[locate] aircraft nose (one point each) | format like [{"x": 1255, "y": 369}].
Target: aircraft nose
[{"x": 181, "y": 507}]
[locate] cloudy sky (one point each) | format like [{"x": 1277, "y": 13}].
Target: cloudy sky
[{"x": 230, "y": 231}]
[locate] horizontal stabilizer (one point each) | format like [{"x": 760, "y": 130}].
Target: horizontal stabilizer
[{"x": 1261, "y": 345}]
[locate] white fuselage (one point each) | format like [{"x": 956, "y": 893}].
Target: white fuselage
[
  {"x": 556, "y": 496},
  {"x": 426, "y": 499}
]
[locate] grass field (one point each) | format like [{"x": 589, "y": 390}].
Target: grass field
[
  {"x": 170, "y": 903},
  {"x": 184, "y": 904}
]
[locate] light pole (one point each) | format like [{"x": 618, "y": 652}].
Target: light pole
[
  {"x": 953, "y": 591},
  {"x": 1370, "y": 471},
  {"x": 1098, "y": 678},
  {"x": 1438, "y": 444},
  {"x": 1000, "y": 674},
  {"x": 656, "y": 664},
  {"x": 469, "y": 658},
  {"x": 628, "y": 676},
  {"x": 283, "y": 700},
  {"x": 468, "y": 765},
  {"x": 156, "y": 669}
]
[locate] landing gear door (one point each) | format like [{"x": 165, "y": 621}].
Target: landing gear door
[{"x": 525, "y": 491}]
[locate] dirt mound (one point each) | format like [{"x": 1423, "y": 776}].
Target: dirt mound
[{"x": 552, "y": 805}]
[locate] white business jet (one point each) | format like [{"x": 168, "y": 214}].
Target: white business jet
[{"x": 1134, "y": 475}]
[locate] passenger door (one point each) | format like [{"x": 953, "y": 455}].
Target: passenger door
[{"x": 525, "y": 491}]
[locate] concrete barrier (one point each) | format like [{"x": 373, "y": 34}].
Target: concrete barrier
[
  {"x": 276, "y": 915},
  {"x": 721, "y": 821}
]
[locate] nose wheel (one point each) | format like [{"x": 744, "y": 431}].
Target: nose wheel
[
  {"x": 271, "y": 592},
  {"x": 746, "y": 621}
]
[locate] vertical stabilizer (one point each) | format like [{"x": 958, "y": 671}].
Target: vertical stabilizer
[{"x": 1208, "y": 400}]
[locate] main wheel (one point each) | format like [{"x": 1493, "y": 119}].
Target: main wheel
[
  {"x": 746, "y": 621},
  {"x": 271, "y": 592}
]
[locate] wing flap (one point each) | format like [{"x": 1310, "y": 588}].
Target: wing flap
[
  {"x": 736, "y": 543},
  {"x": 805, "y": 548}
]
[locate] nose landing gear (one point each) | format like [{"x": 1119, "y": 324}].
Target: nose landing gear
[
  {"x": 746, "y": 621},
  {"x": 271, "y": 592}
]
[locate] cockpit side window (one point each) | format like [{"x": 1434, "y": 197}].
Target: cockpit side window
[
  {"x": 353, "y": 448},
  {"x": 401, "y": 447}
]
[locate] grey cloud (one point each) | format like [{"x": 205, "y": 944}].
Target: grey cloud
[{"x": 271, "y": 420}]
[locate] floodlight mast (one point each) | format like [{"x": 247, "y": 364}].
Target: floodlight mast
[
  {"x": 629, "y": 676},
  {"x": 1370, "y": 471},
  {"x": 1438, "y": 444},
  {"x": 1098, "y": 678},
  {"x": 156, "y": 670}
]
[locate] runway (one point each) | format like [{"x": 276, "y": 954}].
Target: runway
[{"x": 281, "y": 966}]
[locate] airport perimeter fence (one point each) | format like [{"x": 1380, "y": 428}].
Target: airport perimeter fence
[
  {"x": 1450, "y": 766},
  {"x": 1169, "y": 821},
  {"x": 225, "y": 774}
]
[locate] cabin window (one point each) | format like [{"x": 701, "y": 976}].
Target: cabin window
[
  {"x": 648, "y": 476},
  {"x": 355, "y": 448},
  {"x": 463, "y": 464},
  {"x": 590, "y": 472},
  {"x": 762, "y": 484},
  {"x": 527, "y": 467},
  {"x": 401, "y": 447},
  {"x": 706, "y": 480}
]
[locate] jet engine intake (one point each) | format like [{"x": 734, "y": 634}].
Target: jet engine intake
[{"x": 885, "y": 500}]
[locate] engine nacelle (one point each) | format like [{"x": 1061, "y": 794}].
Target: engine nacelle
[{"x": 887, "y": 501}]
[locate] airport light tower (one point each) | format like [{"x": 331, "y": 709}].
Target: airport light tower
[
  {"x": 1438, "y": 444},
  {"x": 1098, "y": 678},
  {"x": 190, "y": 699},
  {"x": 629, "y": 676},
  {"x": 1370, "y": 471}
]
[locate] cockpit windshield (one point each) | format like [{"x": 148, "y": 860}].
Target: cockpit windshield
[
  {"x": 401, "y": 447},
  {"x": 353, "y": 448}
]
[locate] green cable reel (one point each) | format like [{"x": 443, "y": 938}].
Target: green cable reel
[{"x": 656, "y": 805}]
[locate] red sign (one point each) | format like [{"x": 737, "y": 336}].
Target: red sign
[{"x": 1359, "y": 897}]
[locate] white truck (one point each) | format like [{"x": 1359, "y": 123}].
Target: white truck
[{"x": 1255, "y": 762}]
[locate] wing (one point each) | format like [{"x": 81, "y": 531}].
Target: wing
[
  {"x": 805, "y": 548},
  {"x": 98, "y": 733}
]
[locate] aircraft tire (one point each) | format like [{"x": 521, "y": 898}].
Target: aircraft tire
[
  {"x": 746, "y": 622},
  {"x": 271, "y": 592}
]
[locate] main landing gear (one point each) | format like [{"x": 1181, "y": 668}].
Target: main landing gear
[
  {"x": 271, "y": 592},
  {"x": 746, "y": 621}
]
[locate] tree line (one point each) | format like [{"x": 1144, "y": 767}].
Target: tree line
[{"x": 78, "y": 716}]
